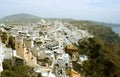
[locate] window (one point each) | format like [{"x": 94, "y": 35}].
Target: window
[
  {"x": 23, "y": 45},
  {"x": 27, "y": 52},
  {"x": 31, "y": 58}
]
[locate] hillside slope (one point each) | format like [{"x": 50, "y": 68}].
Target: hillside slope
[{"x": 103, "y": 51}]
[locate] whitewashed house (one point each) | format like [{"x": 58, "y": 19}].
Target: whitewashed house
[{"x": 1, "y": 58}]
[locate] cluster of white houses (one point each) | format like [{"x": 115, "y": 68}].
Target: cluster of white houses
[{"x": 40, "y": 45}]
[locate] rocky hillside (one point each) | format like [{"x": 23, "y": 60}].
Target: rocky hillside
[{"x": 103, "y": 51}]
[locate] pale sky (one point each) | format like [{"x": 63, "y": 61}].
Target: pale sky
[{"x": 97, "y": 10}]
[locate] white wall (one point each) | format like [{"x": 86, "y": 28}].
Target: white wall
[{"x": 1, "y": 59}]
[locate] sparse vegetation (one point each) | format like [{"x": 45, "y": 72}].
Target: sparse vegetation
[
  {"x": 103, "y": 62},
  {"x": 16, "y": 71}
]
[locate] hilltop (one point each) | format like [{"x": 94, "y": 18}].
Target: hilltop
[{"x": 20, "y": 18}]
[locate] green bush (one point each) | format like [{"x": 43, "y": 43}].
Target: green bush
[{"x": 15, "y": 71}]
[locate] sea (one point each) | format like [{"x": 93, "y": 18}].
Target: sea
[{"x": 116, "y": 29}]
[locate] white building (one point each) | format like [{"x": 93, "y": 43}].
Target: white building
[
  {"x": 2, "y": 25},
  {"x": 1, "y": 58},
  {"x": 7, "y": 53},
  {"x": 82, "y": 58}
]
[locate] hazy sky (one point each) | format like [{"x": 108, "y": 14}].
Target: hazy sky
[{"x": 98, "y": 10}]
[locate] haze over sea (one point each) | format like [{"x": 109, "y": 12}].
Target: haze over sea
[{"x": 116, "y": 29}]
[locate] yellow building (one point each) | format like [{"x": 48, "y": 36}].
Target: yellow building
[
  {"x": 24, "y": 52},
  {"x": 28, "y": 43},
  {"x": 71, "y": 73},
  {"x": 19, "y": 46}
]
